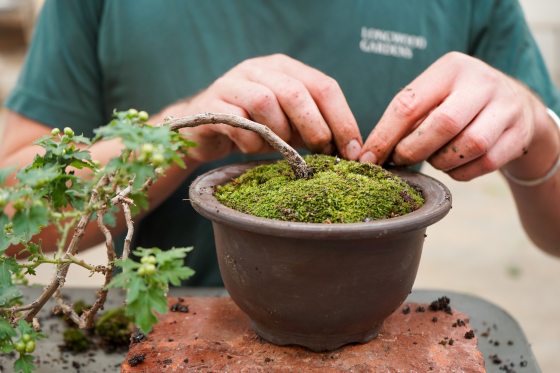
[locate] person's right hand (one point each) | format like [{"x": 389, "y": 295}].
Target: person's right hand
[{"x": 299, "y": 103}]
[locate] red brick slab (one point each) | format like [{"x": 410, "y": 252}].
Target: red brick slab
[{"x": 215, "y": 336}]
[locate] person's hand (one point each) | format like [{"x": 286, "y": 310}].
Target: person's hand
[
  {"x": 463, "y": 116},
  {"x": 300, "y": 104}
]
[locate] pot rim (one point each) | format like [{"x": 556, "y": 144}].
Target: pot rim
[{"x": 201, "y": 194}]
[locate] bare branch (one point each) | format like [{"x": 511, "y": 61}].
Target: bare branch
[
  {"x": 69, "y": 312},
  {"x": 130, "y": 230},
  {"x": 87, "y": 317},
  {"x": 62, "y": 269},
  {"x": 300, "y": 168}
]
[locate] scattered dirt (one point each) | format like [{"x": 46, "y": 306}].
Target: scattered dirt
[
  {"x": 219, "y": 338},
  {"x": 178, "y": 307},
  {"x": 441, "y": 304},
  {"x": 136, "y": 359}
]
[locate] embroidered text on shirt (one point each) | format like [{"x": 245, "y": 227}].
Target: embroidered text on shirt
[{"x": 391, "y": 43}]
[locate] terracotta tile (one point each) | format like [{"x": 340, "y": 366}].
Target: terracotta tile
[{"x": 215, "y": 336}]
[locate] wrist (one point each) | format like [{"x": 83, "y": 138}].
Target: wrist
[{"x": 541, "y": 159}]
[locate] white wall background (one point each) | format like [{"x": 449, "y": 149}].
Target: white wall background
[{"x": 544, "y": 21}]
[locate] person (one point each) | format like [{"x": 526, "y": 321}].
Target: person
[{"x": 459, "y": 84}]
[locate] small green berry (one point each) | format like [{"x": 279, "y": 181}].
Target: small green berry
[
  {"x": 142, "y": 270},
  {"x": 68, "y": 131},
  {"x": 157, "y": 159},
  {"x": 19, "y": 204},
  {"x": 132, "y": 113},
  {"x": 143, "y": 116},
  {"x": 147, "y": 148},
  {"x": 147, "y": 269},
  {"x": 20, "y": 347},
  {"x": 26, "y": 337},
  {"x": 55, "y": 132},
  {"x": 30, "y": 347},
  {"x": 150, "y": 259},
  {"x": 150, "y": 269}
]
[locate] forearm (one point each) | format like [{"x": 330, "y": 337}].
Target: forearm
[{"x": 539, "y": 206}]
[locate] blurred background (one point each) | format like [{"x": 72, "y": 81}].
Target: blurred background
[{"x": 479, "y": 248}]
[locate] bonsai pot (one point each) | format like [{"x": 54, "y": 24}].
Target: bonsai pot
[{"x": 317, "y": 285}]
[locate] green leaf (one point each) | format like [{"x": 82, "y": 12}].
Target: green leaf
[
  {"x": 79, "y": 164},
  {"x": 4, "y": 239},
  {"x": 9, "y": 295},
  {"x": 173, "y": 254},
  {"x": 142, "y": 309},
  {"x": 38, "y": 176},
  {"x": 24, "y": 364},
  {"x": 122, "y": 279},
  {"x": 109, "y": 218},
  {"x": 6, "y": 329},
  {"x": 25, "y": 328},
  {"x": 79, "y": 139},
  {"x": 141, "y": 173},
  {"x": 28, "y": 222},
  {"x": 82, "y": 155},
  {"x": 7, "y": 267},
  {"x": 33, "y": 249},
  {"x": 47, "y": 142},
  {"x": 174, "y": 273},
  {"x": 8, "y": 291},
  {"x": 136, "y": 287},
  {"x": 140, "y": 202}
]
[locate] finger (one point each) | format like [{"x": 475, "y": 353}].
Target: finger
[
  {"x": 330, "y": 100},
  {"x": 299, "y": 107},
  {"x": 258, "y": 101},
  {"x": 440, "y": 126},
  {"x": 476, "y": 140},
  {"x": 246, "y": 141},
  {"x": 404, "y": 111},
  {"x": 509, "y": 146}
]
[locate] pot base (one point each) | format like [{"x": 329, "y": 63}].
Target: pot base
[{"x": 316, "y": 343}]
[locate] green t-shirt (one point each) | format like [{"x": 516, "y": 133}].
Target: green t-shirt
[{"x": 90, "y": 57}]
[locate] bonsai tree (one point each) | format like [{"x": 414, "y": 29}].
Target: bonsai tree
[{"x": 49, "y": 193}]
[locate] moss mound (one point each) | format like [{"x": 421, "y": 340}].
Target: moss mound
[
  {"x": 114, "y": 328},
  {"x": 340, "y": 191},
  {"x": 75, "y": 340}
]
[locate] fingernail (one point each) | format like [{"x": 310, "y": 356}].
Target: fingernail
[
  {"x": 368, "y": 157},
  {"x": 353, "y": 150}
]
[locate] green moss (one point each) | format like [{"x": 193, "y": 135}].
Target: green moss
[
  {"x": 114, "y": 329},
  {"x": 75, "y": 340},
  {"x": 340, "y": 191},
  {"x": 80, "y": 306}
]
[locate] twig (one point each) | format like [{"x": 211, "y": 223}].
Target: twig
[
  {"x": 62, "y": 269},
  {"x": 300, "y": 168},
  {"x": 130, "y": 230},
  {"x": 87, "y": 316},
  {"x": 68, "y": 311}
]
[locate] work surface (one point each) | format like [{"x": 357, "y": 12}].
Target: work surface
[{"x": 500, "y": 338}]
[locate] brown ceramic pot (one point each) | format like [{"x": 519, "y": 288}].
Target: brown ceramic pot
[{"x": 317, "y": 285}]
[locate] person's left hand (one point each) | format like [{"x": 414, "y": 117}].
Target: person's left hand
[{"x": 463, "y": 116}]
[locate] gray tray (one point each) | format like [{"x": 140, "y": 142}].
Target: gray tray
[{"x": 484, "y": 317}]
